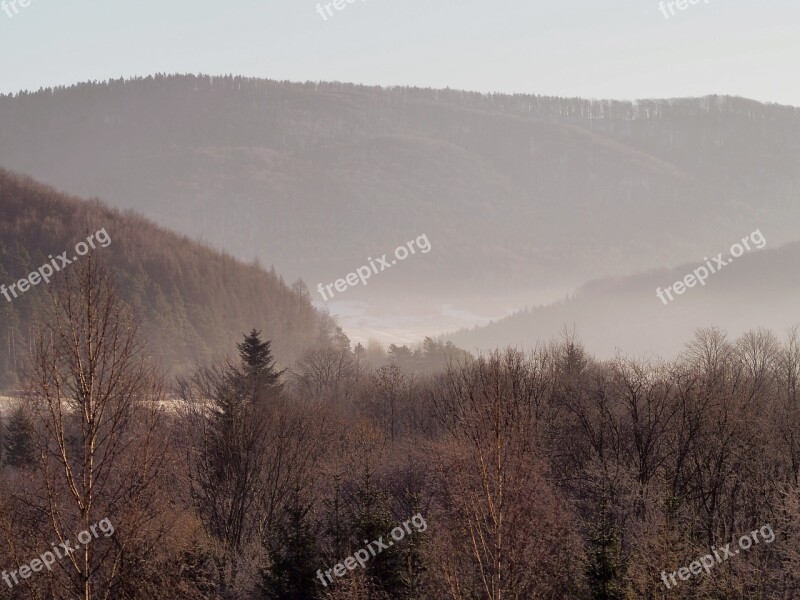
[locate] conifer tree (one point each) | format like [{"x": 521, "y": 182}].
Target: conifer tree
[
  {"x": 294, "y": 556},
  {"x": 606, "y": 565},
  {"x": 229, "y": 474},
  {"x": 256, "y": 376},
  {"x": 18, "y": 440},
  {"x": 371, "y": 520}
]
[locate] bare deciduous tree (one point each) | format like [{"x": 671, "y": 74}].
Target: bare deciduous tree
[{"x": 98, "y": 405}]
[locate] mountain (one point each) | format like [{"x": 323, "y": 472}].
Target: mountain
[
  {"x": 761, "y": 289},
  {"x": 194, "y": 302},
  {"x": 522, "y": 197}
]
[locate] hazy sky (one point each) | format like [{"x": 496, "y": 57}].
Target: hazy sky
[{"x": 589, "y": 48}]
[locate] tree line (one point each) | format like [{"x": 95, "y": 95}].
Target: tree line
[
  {"x": 546, "y": 474},
  {"x": 190, "y": 298}
]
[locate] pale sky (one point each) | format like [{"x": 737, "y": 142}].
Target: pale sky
[{"x": 588, "y": 48}]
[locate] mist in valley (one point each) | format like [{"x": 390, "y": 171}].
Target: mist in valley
[{"x": 362, "y": 300}]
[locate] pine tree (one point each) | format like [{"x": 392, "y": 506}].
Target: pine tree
[
  {"x": 414, "y": 568},
  {"x": 256, "y": 376},
  {"x": 371, "y": 520},
  {"x": 18, "y": 440},
  {"x": 294, "y": 556},
  {"x": 606, "y": 566},
  {"x": 232, "y": 455},
  {"x": 243, "y": 386},
  {"x": 198, "y": 576}
]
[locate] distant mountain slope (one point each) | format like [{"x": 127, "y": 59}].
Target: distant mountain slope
[
  {"x": 258, "y": 167},
  {"x": 195, "y": 302},
  {"x": 519, "y": 195},
  {"x": 756, "y": 290}
]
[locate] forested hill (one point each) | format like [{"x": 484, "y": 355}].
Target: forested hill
[
  {"x": 194, "y": 302},
  {"x": 263, "y": 168},
  {"x": 625, "y": 314}
]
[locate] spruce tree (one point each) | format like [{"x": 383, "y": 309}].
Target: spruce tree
[
  {"x": 198, "y": 575},
  {"x": 242, "y": 386},
  {"x": 606, "y": 566},
  {"x": 294, "y": 557},
  {"x": 371, "y": 520},
  {"x": 18, "y": 440},
  {"x": 414, "y": 567},
  {"x": 233, "y": 448},
  {"x": 256, "y": 376}
]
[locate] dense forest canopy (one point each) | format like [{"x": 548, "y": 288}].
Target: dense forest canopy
[
  {"x": 258, "y": 166},
  {"x": 193, "y": 301}
]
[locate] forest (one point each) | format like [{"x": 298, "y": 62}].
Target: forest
[
  {"x": 255, "y": 165},
  {"x": 191, "y": 298},
  {"x": 546, "y": 474},
  {"x": 215, "y": 384}
]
